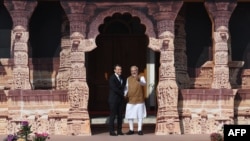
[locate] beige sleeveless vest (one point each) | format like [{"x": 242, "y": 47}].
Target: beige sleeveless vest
[{"x": 135, "y": 91}]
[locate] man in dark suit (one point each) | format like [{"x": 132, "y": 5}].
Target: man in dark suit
[{"x": 116, "y": 100}]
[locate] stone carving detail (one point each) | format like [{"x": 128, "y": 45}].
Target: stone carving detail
[
  {"x": 187, "y": 125},
  {"x": 120, "y": 9},
  {"x": 63, "y": 75},
  {"x": 80, "y": 13},
  {"x": 220, "y": 13},
  {"x": 165, "y": 13},
  {"x": 20, "y": 12},
  {"x": 65, "y": 58},
  {"x": 38, "y": 107},
  {"x": 163, "y": 25},
  {"x": 221, "y": 58},
  {"x": 12, "y": 127},
  {"x": 78, "y": 96},
  {"x": 221, "y": 79},
  {"x": 167, "y": 89},
  {"x": 75, "y": 7},
  {"x": 78, "y": 91},
  {"x": 167, "y": 94},
  {"x": 215, "y": 111},
  {"x": 203, "y": 110},
  {"x": 3, "y": 124},
  {"x": 20, "y": 69},
  {"x": 21, "y": 78},
  {"x": 57, "y": 123},
  {"x": 21, "y": 58}
]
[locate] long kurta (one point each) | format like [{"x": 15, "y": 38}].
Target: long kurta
[{"x": 135, "y": 107}]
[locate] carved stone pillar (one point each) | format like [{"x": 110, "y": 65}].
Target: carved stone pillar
[
  {"x": 20, "y": 12},
  {"x": 183, "y": 80},
  {"x": 62, "y": 78},
  {"x": 220, "y": 13},
  {"x": 167, "y": 121},
  {"x": 78, "y": 91}
]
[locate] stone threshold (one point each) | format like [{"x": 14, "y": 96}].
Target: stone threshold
[{"x": 104, "y": 120}]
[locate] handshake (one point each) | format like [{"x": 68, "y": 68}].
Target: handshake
[{"x": 137, "y": 78}]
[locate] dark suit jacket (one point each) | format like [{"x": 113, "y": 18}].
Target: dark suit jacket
[{"x": 116, "y": 89}]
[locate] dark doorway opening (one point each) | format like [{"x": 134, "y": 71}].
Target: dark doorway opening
[
  {"x": 121, "y": 40},
  {"x": 45, "y": 42},
  {"x": 5, "y": 32}
]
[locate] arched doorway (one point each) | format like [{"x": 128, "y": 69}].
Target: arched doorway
[
  {"x": 121, "y": 40},
  {"x": 45, "y": 43}
]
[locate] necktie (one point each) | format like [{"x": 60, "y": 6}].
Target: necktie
[{"x": 119, "y": 79}]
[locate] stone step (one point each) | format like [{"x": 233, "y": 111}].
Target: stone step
[
  {"x": 104, "y": 120},
  {"x": 100, "y": 124},
  {"x": 101, "y": 128}
]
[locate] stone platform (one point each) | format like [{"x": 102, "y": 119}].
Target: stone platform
[{"x": 100, "y": 135}]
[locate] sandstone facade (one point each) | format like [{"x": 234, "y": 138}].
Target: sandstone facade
[{"x": 186, "y": 105}]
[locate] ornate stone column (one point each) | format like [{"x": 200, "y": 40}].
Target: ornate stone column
[
  {"x": 220, "y": 13},
  {"x": 78, "y": 91},
  {"x": 167, "y": 121},
  {"x": 183, "y": 80},
  {"x": 62, "y": 78},
  {"x": 20, "y": 12}
]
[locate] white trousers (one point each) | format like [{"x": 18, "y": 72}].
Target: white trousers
[{"x": 135, "y": 111}]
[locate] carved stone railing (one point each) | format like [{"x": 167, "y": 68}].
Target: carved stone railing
[
  {"x": 203, "y": 111},
  {"x": 45, "y": 110}
]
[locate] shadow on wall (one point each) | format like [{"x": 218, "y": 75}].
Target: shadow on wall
[
  {"x": 180, "y": 111},
  {"x": 241, "y": 106},
  {"x": 2, "y": 73}
]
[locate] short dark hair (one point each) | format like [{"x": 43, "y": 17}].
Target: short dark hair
[{"x": 117, "y": 65}]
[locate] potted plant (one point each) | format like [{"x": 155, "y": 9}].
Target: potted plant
[
  {"x": 216, "y": 137},
  {"x": 24, "y": 134},
  {"x": 41, "y": 136}
]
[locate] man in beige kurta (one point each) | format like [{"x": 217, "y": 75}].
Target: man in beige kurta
[{"x": 135, "y": 108}]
